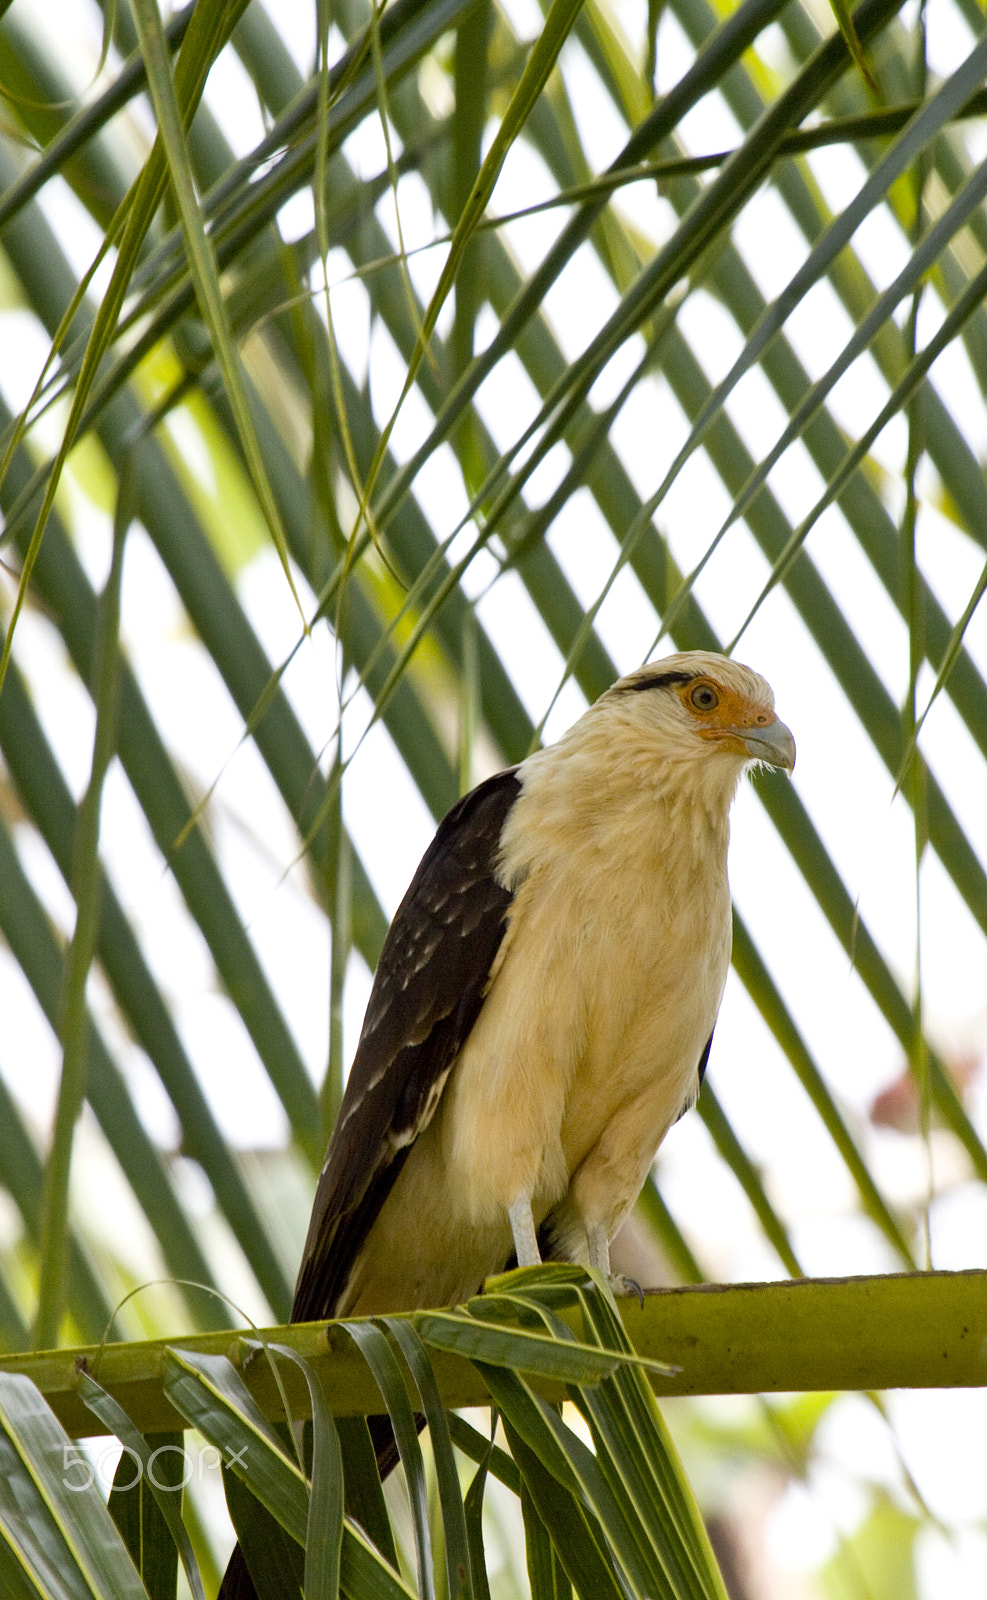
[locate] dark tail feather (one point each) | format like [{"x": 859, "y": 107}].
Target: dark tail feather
[
  {"x": 276, "y": 1563},
  {"x": 280, "y": 1566},
  {"x": 384, "y": 1443},
  {"x": 237, "y": 1583}
]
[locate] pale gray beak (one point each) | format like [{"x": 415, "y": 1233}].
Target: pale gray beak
[{"x": 773, "y": 745}]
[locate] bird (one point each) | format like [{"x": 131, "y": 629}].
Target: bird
[{"x": 544, "y": 1003}]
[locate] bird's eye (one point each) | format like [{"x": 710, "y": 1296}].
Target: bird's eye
[{"x": 704, "y": 698}]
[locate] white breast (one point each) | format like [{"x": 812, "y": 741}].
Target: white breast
[{"x": 604, "y": 995}]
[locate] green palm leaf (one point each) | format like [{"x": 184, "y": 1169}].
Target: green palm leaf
[{"x": 553, "y": 370}]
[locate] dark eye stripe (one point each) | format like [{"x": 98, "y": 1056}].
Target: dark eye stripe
[{"x": 664, "y": 680}]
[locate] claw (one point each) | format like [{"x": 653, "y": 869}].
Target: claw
[{"x": 620, "y": 1284}]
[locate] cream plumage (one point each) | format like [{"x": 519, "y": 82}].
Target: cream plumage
[
  {"x": 543, "y": 1006},
  {"x": 544, "y": 1001}
]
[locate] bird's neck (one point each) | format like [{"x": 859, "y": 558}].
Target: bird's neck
[{"x": 669, "y": 815}]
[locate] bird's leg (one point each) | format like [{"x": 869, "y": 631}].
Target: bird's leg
[
  {"x": 523, "y": 1229},
  {"x": 599, "y": 1257},
  {"x": 599, "y": 1248}
]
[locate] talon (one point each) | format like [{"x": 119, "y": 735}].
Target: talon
[{"x": 620, "y": 1284}]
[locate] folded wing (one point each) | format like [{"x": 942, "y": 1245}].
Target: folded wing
[{"x": 427, "y": 994}]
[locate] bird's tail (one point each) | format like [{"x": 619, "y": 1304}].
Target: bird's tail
[
  {"x": 384, "y": 1443},
  {"x": 237, "y": 1583}
]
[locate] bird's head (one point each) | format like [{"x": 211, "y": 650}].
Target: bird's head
[
  {"x": 698, "y": 705},
  {"x": 677, "y": 733}
]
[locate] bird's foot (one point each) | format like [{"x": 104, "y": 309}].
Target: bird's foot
[{"x": 620, "y": 1284}]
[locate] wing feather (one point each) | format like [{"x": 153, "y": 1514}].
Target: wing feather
[{"x": 427, "y": 993}]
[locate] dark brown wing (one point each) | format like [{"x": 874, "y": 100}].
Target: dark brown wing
[
  {"x": 426, "y": 996},
  {"x": 704, "y": 1058},
  {"x": 693, "y": 1095}
]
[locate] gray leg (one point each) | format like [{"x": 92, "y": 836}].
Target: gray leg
[
  {"x": 523, "y": 1230},
  {"x": 599, "y": 1249},
  {"x": 599, "y": 1257}
]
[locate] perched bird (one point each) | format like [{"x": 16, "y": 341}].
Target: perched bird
[
  {"x": 545, "y": 999},
  {"x": 544, "y": 1003}
]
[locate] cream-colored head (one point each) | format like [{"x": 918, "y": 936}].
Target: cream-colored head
[
  {"x": 698, "y": 705},
  {"x": 676, "y": 735}
]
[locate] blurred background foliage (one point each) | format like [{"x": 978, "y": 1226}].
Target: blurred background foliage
[{"x": 430, "y": 368}]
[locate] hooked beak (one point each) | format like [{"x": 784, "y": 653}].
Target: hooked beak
[{"x": 773, "y": 745}]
